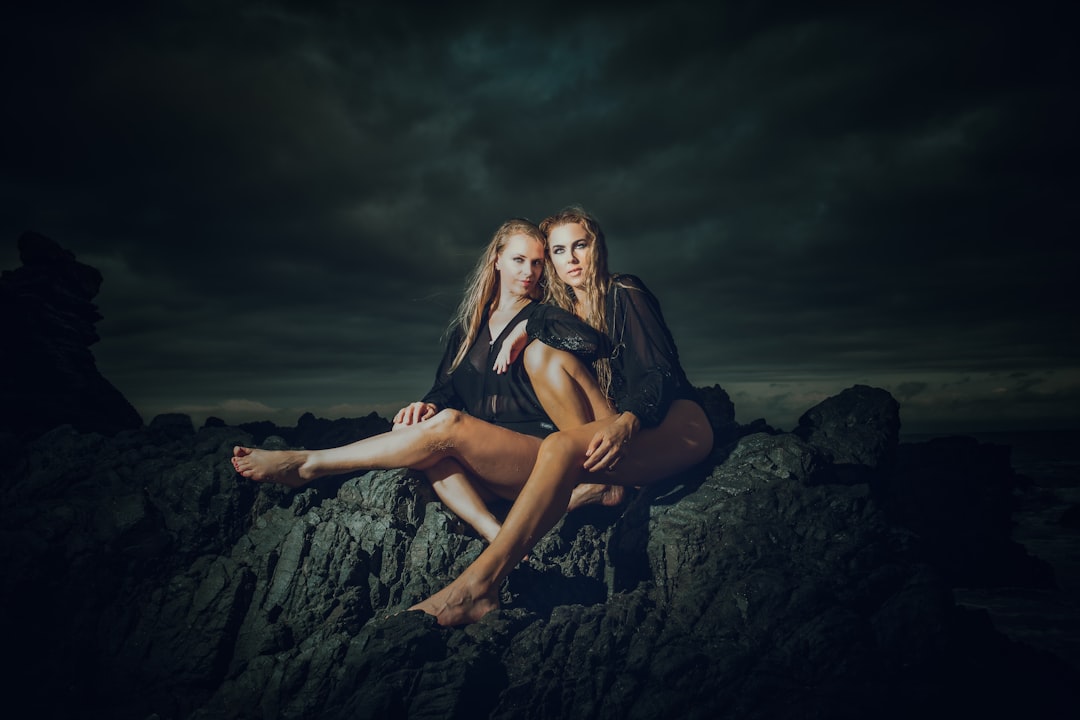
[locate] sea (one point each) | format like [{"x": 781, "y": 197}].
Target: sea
[{"x": 1045, "y": 523}]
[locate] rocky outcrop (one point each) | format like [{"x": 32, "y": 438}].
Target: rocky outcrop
[
  {"x": 47, "y": 320},
  {"x": 859, "y": 430},
  {"x": 144, "y": 579},
  {"x": 316, "y": 433}
]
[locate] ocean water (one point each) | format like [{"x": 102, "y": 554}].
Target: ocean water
[{"x": 1045, "y": 618}]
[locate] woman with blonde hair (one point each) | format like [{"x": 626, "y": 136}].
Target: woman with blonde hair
[
  {"x": 477, "y": 431},
  {"x": 660, "y": 428}
]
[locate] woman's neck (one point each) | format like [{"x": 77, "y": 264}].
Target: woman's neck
[
  {"x": 506, "y": 302},
  {"x": 582, "y": 306}
]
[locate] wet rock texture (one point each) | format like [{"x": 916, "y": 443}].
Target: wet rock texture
[{"x": 793, "y": 575}]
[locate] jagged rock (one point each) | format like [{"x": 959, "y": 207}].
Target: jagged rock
[
  {"x": 47, "y": 320},
  {"x": 721, "y": 413},
  {"x": 860, "y": 427},
  {"x": 316, "y": 433},
  {"x": 172, "y": 424},
  {"x": 142, "y": 576}
]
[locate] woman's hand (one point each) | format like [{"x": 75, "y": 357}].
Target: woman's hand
[
  {"x": 414, "y": 413},
  {"x": 511, "y": 348},
  {"x": 607, "y": 446}
]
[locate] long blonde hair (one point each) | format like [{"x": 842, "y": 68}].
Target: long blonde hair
[
  {"x": 483, "y": 284},
  {"x": 595, "y": 287}
]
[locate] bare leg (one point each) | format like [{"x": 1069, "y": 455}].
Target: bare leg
[
  {"x": 683, "y": 439},
  {"x": 571, "y": 397},
  {"x": 565, "y": 387},
  {"x": 501, "y": 457},
  {"x": 461, "y": 494},
  {"x": 457, "y": 492}
]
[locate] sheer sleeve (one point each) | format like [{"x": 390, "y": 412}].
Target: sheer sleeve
[
  {"x": 442, "y": 394},
  {"x": 561, "y": 330},
  {"x": 645, "y": 353}
]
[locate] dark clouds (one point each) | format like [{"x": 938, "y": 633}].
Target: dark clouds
[{"x": 285, "y": 201}]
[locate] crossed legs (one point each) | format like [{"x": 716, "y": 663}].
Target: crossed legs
[
  {"x": 465, "y": 459},
  {"x": 682, "y": 440},
  {"x": 571, "y": 397}
]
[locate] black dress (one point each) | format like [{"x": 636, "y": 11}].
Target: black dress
[
  {"x": 508, "y": 400},
  {"x": 646, "y": 376}
]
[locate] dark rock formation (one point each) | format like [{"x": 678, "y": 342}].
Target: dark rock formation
[
  {"x": 316, "y": 433},
  {"x": 143, "y": 578},
  {"x": 859, "y": 429},
  {"x": 47, "y": 323},
  {"x": 721, "y": 412},
  {"x": 958, "y": 495}
]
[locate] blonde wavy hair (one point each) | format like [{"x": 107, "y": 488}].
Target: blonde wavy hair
[
  {"x": 595, "y": 286},
  {"x": 482, "y": 286}
]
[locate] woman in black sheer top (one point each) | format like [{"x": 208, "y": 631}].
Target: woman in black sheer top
[
  {"x": 503, "y": 393},
  {"x": 660, "y": 428},
  {"x": 477, "y": 431}
]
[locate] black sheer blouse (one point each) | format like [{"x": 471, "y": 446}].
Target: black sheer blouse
[
  {"x": 508, "y": 400},
  {"x": 646, "y": 376}
]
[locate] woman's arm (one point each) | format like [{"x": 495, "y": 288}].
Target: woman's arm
[
  {"x": 561, "y": 330},
  {"x": 647, "y": 357},
  {"x": 556, "y": 328},
  {"x": 606, "y": 446},
  {"x": 512, "y": 346}
]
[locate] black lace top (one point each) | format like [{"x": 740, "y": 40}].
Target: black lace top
[
  {"x": 646, "y": 376},
  {"x": 509, "y": 400}
]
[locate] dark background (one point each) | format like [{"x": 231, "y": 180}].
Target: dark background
[{"x": 285, "y": 198}]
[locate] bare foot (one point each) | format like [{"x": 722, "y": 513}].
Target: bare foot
[
  {"x": 285, "y": 467},
  {"x": 591, "y": 493},
  {"x": 458, "y": 604}
]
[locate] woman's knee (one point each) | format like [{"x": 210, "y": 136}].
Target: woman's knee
[
  {"x": 555, "y": 369},
  {"x": 444, "y": 424},
  {"x": 539, "y": 358},
  {"x": 560, "y": 447}
]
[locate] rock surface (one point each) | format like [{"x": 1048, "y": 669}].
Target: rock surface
[
  {"x": 47, "y": 321},
  {"x": 144, "y": 579}
]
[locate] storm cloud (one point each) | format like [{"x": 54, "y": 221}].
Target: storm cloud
[{"x": 285, "y": 201}]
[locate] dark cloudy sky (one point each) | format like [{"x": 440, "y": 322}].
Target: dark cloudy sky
[{"x": 285, "y": 201}]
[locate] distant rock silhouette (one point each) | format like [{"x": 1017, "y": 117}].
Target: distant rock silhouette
[
  {"x": 47, "y": 321},
  {"x": 143, "y": 578},
  {"x": 859, "y": 429}
]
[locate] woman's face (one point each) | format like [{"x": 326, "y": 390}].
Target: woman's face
[
  {"x": 571, "y": 253},
  {"x": 520, "y": 264}
]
